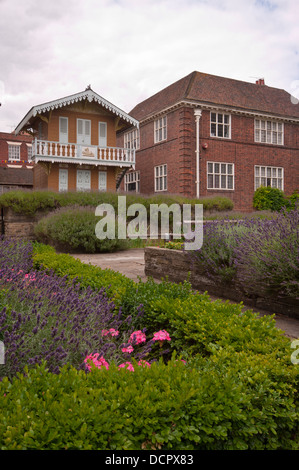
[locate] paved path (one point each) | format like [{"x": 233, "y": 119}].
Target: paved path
[{"x": 131, "y": 264}]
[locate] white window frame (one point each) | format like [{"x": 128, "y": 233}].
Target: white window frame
[
  {"x": 268, "y": 132},
  {"x": 13, "y": 155},
  {"x": 29, "y": 152},
  {"x": 221, "y": 121},
  {"x": 86, "y": 137},
  {"x": 83, "y": 188},
  {"x": 100, "y": 185},
  {"x": 63, "y": 136},
  {"x": 160, "y": 126},
  {"x": 131, "y": 178},
  {"x": 63, "y": 187},
  {"x": 102, "y": 139},
  {"x": 132, "y": 139},
  {"x": 220, "y": 176},
  {"x": 160, "y": 176},
  {"x": 268, "y": 176}
]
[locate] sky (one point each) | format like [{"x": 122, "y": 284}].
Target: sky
[{"x": 128, "y": 50}]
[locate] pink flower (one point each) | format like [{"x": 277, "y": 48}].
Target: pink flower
[
  {"x": 93, "y": 358},
  {"x": 126, "y": 365},
  {"x": 137, "y": 337},
  {"x": 161, "y": 335},
  {"x": 111, "y": 331},
  {"x": 129, "y": 349},
  {"x": 143, "y": 363}
]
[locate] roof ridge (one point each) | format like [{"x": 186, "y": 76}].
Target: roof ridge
[{"x": 189, "y": 86}]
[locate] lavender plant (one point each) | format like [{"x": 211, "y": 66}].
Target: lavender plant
[
  {"x": 267, "y": 256},
  {"x": 46, "y": 317},
  {"x": 260, "y": 255}
]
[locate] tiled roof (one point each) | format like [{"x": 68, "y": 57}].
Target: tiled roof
[
  {"x": 88, "y": 95},
  {"x": 219, "y": 91},
  {"x": 18, "y": 176},
  {"x": 18, "y": 138}
]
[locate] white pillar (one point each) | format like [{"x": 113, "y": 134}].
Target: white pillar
[{"x": 197, "y": 113}]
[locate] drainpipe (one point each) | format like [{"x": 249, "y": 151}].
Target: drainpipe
[{"x": 197, "y": 113}]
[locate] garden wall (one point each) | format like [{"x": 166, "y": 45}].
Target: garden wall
[
  {"x": 15, "y": 225},
  {"x": 177, "y": 266}
]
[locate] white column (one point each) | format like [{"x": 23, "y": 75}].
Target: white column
[{"x": 197, "y": 114}]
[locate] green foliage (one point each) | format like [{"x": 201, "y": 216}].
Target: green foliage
[
  {"x": 30, "y": 202},
  {"x": 267, "y": 198},
  {"x": 237, "y": 390},
  {"x": 73, "y": 229},
  {"x": 206, "y": 405},
  {"x": 46, "y": 258}
]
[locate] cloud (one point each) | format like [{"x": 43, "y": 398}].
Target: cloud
[{"x": 129, "y": 49}]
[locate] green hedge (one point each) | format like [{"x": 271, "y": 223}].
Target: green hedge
[
  {"x": 237, "y": 390},
  {"x": 29, "y": 202},
  {"x": 206, "y": 405},
  {"x": 274, "y": 199},
  {"x": 72, "y": 229}
]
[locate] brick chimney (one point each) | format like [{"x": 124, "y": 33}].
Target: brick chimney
[{"x": 260, "y": 81}]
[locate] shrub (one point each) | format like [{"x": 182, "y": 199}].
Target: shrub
[
  {"x": 30, "y": 202},
  {"x": 259, "y": 255},
  {"x": 267, "y": 198},
  {"x": 237, "y": 390},
  {"x": 267, "y": 256},
  {"x": 47, "y": 317},
  {"x": 73, "y": 229},
  {"x": 208, "y": 405}
]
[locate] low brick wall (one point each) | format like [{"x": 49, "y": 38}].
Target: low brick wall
[
  {"x": 18, "y": 225},
  {"x": 177, "y": 267}
]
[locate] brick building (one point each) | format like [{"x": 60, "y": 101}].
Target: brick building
[
  {"x": 16, "y": 166},
  {"x": 74, "y": 143},
  {"x": 206, "y": 135}
]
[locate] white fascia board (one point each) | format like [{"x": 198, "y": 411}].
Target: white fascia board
[{"x": 90, "y": 95}]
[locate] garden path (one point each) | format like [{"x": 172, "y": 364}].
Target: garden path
[{"x": 131, "y": 264}]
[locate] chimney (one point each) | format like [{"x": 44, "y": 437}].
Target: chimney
[{"x": 260, "y": 81}]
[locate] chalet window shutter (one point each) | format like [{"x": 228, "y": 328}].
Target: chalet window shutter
[
  {"x": 63, "y": 130},
  {"x": 102, "y": 134},
  {"x": 87, "y": 128},
  {"x": 80, "y": 127}
]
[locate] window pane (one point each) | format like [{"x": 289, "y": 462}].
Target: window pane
[
  {"x": 257, "y": 171},
  {"x": 223, "y": 181},
  {"x": 230, "y": 169},
  {"x": 213, "y": 117},
  {"x": 268, "y": 172},
  {"x": 216, "y": 181},
  {"x": 210, "y": 181},
  {"x": 223, "y": 168},
  {"x": 230, "y": 182},
  {"x": 216, "y": 167},
  {"x": 210, "y": 167},
  {"x": 213, "y": 130},
  {"x": 220, "y": 130}
]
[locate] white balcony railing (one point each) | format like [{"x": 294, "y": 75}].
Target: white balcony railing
[{"x": 45, "y": 150}]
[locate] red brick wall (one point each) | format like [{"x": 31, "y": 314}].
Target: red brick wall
[
  {"x": 7, "y": 137},
  {"x": 178, "y": 152}
]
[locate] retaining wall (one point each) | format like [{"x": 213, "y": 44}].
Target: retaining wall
[{"x": 177, "y": 266}]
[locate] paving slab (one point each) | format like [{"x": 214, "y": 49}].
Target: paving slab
[{"x": 131, "y": 263}]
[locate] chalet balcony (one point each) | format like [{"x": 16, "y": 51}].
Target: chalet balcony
[{"x": 47, "y": 151}]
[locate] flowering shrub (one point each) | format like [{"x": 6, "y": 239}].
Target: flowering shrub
[
  {"x": 260, "y": 255},
  {"x": 47, "y": 317}
]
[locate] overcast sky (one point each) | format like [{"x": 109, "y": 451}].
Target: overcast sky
[{"x": 128, "y": 50}]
